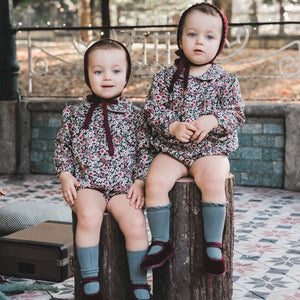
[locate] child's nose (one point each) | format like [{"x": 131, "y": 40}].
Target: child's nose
[
  {"x": 199, "y": 40},
  {"x": 107, "y": 76}
]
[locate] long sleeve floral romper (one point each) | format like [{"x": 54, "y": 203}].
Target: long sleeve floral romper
[
  {"x": 84, "y": 152},
  {"x": 215, "y": 92}
]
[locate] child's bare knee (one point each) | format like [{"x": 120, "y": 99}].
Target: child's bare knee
[
  {"x": 89, "y": 219},
  {"x": 136, "y": 230},
  {"x": 210, "y": 182},
  {"x": 154, "y": 183}
]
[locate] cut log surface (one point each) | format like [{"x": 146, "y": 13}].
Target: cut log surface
[{"x": 183, "y": 277}]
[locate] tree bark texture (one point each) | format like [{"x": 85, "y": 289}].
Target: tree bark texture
[
  {"x": 105, "y": 17},
  {"x": 183, "y": 277},
  {"x": 113, "y": 265},
  {"x": 85, "y": 19}
]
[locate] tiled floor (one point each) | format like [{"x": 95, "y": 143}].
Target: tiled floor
[{"x": 267, "y": 240}]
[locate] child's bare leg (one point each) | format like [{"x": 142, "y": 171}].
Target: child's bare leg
[
  {"x": 210, "y": 174},
  {"x": 131, "y": 221},
  {"x": 89, "y": 208},
  {"x": 163, "y": 173},
  {"x": 133, "y": 225}
]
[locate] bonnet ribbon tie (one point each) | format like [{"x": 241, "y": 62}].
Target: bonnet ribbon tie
[
  {"x": 95, "y": 101},
  {"x": 181, "y": 63}
]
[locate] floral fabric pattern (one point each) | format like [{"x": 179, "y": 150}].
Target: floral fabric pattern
[
  {"x": 215, "y": 92},
  {"x": 84, "y": 152}
]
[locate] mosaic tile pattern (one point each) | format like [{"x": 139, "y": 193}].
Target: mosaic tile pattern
[
  {"x": 267, "y": 240},
  {"x": 267, "y": 244}
]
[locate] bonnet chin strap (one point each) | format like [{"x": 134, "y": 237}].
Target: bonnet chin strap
[
  {"x": 183, "y": 64},
  {"x": 95, "y": 101}
]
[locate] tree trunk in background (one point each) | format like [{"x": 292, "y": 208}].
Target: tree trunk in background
[
  {"x": 92, "y": 6},
  {"x": 253, "y": 16},
  {"x": 105, "y": 17},
  {"x": 84, "y": 17},
  {"x": 281, "y": 14},
  {"x": 226, "y": 7},
  {"x": 9, "y": 67}
]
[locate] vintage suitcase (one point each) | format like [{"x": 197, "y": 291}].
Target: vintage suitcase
[{"x": 43, "y": 251}]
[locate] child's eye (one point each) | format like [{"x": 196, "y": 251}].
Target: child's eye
[
  {"x": 98, "y": 72},
  {"x": 210, "y": 37},
  {"x": 116, "y": 71},
  {"x": 192, "y": 34}
]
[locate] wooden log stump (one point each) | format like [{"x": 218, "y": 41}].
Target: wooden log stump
[
  {"x": 183, "y": 277},
  {"x": 113, "y": 265}
]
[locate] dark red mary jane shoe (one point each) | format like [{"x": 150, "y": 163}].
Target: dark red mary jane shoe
[
  {"x": 139, "y": 286},
  {"x": 96, "y": 296},
  {"x": 214, "y": 267},
  {"x": 158, "y": 259}
]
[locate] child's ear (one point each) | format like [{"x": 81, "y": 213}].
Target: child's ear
[{"x": 180, "y": 44}]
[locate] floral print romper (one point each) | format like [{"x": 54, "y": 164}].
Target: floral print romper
[
  {"x": 84, "y": 152},
  {"x": 215, "y": 92}
]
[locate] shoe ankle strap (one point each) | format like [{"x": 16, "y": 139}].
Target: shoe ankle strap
[
  {"x": 90, "y": 279},
  {"x": 215, "y": 245}
]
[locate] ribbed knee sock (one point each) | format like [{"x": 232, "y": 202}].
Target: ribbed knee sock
[
  {"x": 159, "y": 223},
  {"x": 88, "y": 258},
  {"x": 213, "y": 224},
  {"x": 137, "y": 275}
]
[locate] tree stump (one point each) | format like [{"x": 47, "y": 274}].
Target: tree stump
[
  {"x": 183, "y": 277},
  {"x": 113, "y": 265}
]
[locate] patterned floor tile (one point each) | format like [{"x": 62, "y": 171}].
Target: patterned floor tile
[
  {"x": 238, "y": 291},
  {"x": 295, "y": 274},
  {"x": 284, "y": 261},
  {"x": 257, "y": 248},
  {"x": 245, "y": 267},
  {"x": 266, "y": 263},
  {"x": 288, "y": 295},
  {"x": 265, "y": 284}
]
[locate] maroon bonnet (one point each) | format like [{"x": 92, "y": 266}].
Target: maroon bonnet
[{"x": 182, "y": 63}]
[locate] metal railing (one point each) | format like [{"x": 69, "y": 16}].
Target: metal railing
[{"x": 270, "y": 59}]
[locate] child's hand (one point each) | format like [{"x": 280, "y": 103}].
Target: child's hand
[
  {"x": 136, "y": 194},
  {"x": 204, "y": 125},
  {"x": 68, "y": 187},
  {"x": 183, "y": 131}
]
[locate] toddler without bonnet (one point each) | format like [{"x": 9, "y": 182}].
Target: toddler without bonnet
[
  {"x": 102, "y": 155},
  {"x": 194, "y": 108}
]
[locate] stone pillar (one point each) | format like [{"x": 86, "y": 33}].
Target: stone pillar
[{"x": 292, "y": 148}]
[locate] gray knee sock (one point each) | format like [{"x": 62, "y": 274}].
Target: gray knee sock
[
  {"x": 88, "y": 258},
  {"x": 159, "y": 223},
  {"x": 213, "y": 224},
  {"x": 137, "y": 275}
]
